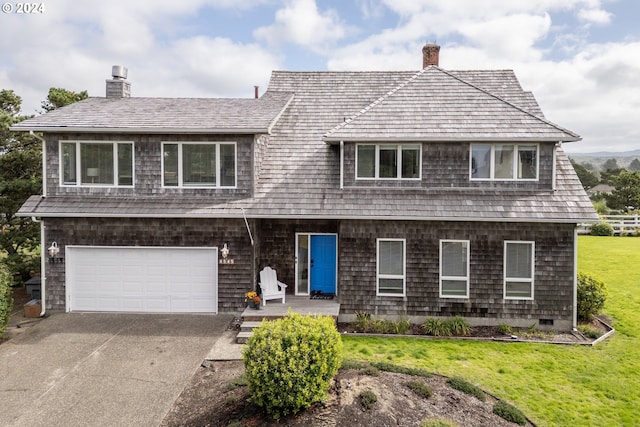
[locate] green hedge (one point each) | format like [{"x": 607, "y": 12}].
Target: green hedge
[
  {"x": 289, "y": 362},
  {"x": 6, "y": 299}
]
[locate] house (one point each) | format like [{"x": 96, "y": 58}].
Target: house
[
  {"x": 418, "y": 193},
  {"x": 600, "y": 190}
]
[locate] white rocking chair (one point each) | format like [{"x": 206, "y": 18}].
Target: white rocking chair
[{"x": 271, "y": 287}]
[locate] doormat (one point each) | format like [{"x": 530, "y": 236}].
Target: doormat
[{"x": 320, "y": 295}]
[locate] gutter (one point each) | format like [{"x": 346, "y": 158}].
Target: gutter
[
  {"x": 308, "y": 216},
  {"x": 139, "y": 130}
]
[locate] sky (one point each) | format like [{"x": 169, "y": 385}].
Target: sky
[{"x": 580, "y": 58}]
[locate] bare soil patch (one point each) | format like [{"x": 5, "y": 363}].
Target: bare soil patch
[{"x": 212, "y": 399}]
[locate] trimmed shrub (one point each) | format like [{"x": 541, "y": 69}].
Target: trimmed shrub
[
  {"x": 509, "y": 413},
  {"x": 592, "y": 294},
  {"x": 466, "y": 387},
  {"x": 420, "y": 388},
  {"x": 368, "y": 399},
  {"x": 6, "y": 299},
  {"x": 289, "y": 362},
  {"x": 601, "y": 229}
]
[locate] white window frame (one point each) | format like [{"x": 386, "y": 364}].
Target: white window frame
[
  {"x": 530, "y": 280},
  {"x": 515, "y": 161},
  {"x": 217, "y": 185},
  {"x": 455, "y": 278},
  {"x": 403, "y": 276},
  {"x": 78, "y": 164},
  {"x": 399, "y": 148}
]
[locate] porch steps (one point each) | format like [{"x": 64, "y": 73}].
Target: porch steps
[
  {"x": 252, "y": 318},
  {"x": 246, "y": 330}
]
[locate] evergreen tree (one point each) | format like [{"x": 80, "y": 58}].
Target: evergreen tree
[
  {"x": 587, "y": 178},
  {"x": 20, "y": 177}
]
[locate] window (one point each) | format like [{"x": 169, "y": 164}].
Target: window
[
  {"x": 96, "y": 163},
  {"x": 504, "y": 162},
  {"x": 391, "y": 267},
  {"x": 377, "y": 161},
  {"x": 518, "y": 269},
  {"x": 454, "y": 268},
  {"x": 199, "y": 165}
]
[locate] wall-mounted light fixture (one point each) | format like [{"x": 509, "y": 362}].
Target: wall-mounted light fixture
[
  {"x": 53, "y": 251},
  {"x": 224, "y": 251}
]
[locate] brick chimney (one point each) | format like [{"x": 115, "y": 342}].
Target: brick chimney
[
  {"x": 118, "y": 86},
  {"x": 430, "y": 55}
]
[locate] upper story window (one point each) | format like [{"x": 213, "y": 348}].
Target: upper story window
[
  {"x": 504, "y": 162},
  {"x": 89, "y": 163},
  {"x": 384, "y": 161},
  {"x": 519, "y": 258},
  {"x": 454, "y": 268},
  {"x": 199, "y": 164}
]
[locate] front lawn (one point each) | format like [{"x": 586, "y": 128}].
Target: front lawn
[{"x": 553, "y": 385}]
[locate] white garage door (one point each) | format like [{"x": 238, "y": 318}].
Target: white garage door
[{"x": 142, "y": 279}]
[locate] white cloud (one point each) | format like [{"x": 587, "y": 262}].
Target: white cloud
[
  {"x": 595, "y": 16},
  {"x": 300, "y": 22},
  {"x": 74, "y": 44}
]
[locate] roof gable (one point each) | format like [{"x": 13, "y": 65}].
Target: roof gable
[{"x": 437, "y": 105}]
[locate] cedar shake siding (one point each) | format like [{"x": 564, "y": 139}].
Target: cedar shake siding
[
  {"x": 446, "y": 165},
  {"x": 148, "y": 178},
  {"x": 553, "y": 280},
  {"x": 233, "y": 279}
]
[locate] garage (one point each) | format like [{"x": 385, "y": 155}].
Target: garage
[{"x": 142, "y": 279}]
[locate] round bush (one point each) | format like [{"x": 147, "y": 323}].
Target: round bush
[
  {"x": 601, "y": 229},
  {"x": 592, "y": 293},
  {"x": 289, "y": 362},
  {"x": 6, "y": 300}
]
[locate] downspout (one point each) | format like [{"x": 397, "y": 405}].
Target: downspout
[
  {"x": 575, "y": 277},
  {"x": 43, "y": 277},
  {"x": 341, "y": 165}
]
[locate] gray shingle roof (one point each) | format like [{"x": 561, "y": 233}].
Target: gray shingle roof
[
  {"x": 435, "y": 105},
  {"x": 163, "y": 115},
  {"x": 299, "y": 174}
]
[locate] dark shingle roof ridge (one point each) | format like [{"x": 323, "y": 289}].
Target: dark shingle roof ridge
[{"x": 501, "y": 99}]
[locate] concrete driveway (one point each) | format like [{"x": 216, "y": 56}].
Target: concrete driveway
[{"x": 92, "y": 369}]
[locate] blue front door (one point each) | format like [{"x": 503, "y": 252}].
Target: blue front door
[{"x": 323, "y": 263}]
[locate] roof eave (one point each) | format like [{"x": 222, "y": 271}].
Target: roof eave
[
  {"x": 143, "y": 130},
  {"x": 336, "y": 140},
  {"x": 306, "y": 217}
]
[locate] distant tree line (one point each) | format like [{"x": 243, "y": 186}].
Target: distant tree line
[{"x": 624, "y": 198}]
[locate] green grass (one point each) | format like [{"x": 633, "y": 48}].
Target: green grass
[{"x": 553, "y": 385}]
